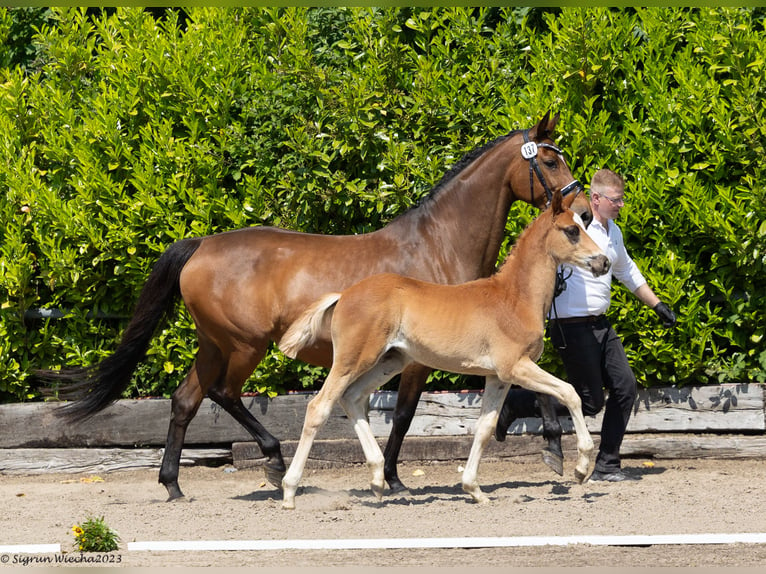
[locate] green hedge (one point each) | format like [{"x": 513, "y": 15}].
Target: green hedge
[{"x": 123, "y": 132}]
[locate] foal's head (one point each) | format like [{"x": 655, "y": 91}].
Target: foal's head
[{"x": 567, "y": 242}]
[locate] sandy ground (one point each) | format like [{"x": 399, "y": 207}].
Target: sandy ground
[{"x": 673, "y": 496}]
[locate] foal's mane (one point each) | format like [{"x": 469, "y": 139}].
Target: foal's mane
[{"x": 523, "y": 237}]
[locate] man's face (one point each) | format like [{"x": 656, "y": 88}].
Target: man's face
[{"x": 608, "y": 202}]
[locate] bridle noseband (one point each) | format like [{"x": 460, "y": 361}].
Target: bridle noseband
[{"x": 529, "y": 153}]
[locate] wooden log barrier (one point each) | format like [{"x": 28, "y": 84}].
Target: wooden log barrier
[{"x": 130, "y": 424}]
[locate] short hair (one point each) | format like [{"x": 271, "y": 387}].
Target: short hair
[{"x": 606, "y": 179}]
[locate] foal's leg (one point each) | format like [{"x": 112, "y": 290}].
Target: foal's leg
[
  {"x": 411, "y": 385},
  {"x": 227, "y": 393},
  {"x": 532, "y": 377},
  {"x": 553, "y": 455},
  {"x": 355, "y": 402},
  {"x": 317, "y": 413},
  {"x": 491, "y": 403}
]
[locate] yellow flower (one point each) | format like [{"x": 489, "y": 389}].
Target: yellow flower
[{"x": 77, "y": 530}]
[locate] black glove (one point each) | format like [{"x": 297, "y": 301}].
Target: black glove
[{"x": 667, "y": 316}]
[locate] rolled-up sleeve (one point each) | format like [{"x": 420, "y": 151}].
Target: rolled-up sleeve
[{"x": 624, "y": 269}]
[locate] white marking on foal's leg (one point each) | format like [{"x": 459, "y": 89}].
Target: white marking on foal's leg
[
  {"x": 356, "y": 410},
  {"x": 494, "y": 394},
  {"x": 317, "y": 412}
]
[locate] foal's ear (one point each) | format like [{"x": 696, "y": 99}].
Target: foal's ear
[
  {"x": 557, "y": 203},
  {"x": 544, "y": 128}
]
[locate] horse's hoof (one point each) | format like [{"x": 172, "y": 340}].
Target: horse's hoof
[
  {"x": 481, "y": 499},
  {"x": 396, "y": 486},
  {"x": 554, "y": 461},
  {"x": 580, "y": 476},
  {"x": 377, "y": 490},
  {"x": 288, "y": 505},
  {"x": 174, "y": 493},
  {"x": 274, "y": 476}
]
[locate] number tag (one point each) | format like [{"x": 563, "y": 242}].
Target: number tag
[{"x": 529, "y": 150}]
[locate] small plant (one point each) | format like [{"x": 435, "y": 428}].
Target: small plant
[{"x": 94, "y": 535}]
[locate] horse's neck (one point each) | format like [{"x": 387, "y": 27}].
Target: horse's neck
[
  {"x": 529, "y": 272},
  {"x": 466, "y": 218}
]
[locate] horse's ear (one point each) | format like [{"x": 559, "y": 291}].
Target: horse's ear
[
  {"x": 557, "y": 203},
  {"x": 544, "y": 128}
]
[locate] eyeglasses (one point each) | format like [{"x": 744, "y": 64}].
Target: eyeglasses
[{"x": 617, "y": 201}]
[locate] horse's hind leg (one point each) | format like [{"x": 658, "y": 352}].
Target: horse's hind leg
[
  {"x": 227, "y": 393},
  {"x": 355, "y": 401},
  {"x": 317, "y": 412},
  {"x": 553, "y": 455},
  {"x": 185, "y": 403},
  {"x": 494, "y": 393},
  {"x": 413, "y": 381}
]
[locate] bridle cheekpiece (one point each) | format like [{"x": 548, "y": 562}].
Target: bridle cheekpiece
[{"x": 529, "y": 153}]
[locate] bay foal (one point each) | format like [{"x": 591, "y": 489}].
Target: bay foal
[{"x": 491, "y": 327}]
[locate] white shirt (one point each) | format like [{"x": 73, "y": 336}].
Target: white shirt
[{"x": 587, "y": 295}]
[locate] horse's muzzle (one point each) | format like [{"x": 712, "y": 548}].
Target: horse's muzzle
[{"x": 599, "y": 265}]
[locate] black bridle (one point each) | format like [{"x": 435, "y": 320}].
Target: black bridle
[{"x": 529, "y": 153}]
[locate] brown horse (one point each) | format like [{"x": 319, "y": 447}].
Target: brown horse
[
  {"x": 491, "y": 327},
  {"x": 244, "y": 288}
]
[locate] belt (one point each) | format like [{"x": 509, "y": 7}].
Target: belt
[{"x": 575, "y": 320}]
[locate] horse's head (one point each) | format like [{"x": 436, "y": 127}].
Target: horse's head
[
  {"x": 567, "y": 241},
  {"x": 547, "y": 171}
]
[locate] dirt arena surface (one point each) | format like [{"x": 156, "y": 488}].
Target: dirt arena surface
[{"x": 672, "y": 497}]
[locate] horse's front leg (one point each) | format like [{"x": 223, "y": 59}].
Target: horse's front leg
[
  {"x": 553, "y": 455},
  {"x": 491, "y": 402},
  {"x": 411, "y": 385},
  {"x": 530, "y": 376}
]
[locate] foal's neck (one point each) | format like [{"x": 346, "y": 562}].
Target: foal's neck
[{"x": 529, "y": 272}]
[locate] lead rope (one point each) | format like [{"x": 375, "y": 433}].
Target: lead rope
[{"x": 560, "y": 287}]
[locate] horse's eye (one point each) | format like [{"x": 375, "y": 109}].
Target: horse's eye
[
  {"x": 551, "y": 163},
  {"x": 572, "y": 233}
]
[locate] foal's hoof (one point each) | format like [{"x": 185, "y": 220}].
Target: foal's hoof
[
  {"x": 274, "y": 475},
  {"x": 580, "y": 476},
  {"x": 554, "y": 461},
  {"x": 377, "y": 490}
]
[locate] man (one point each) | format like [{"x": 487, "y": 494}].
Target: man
[{"x": 591, "y": 351}]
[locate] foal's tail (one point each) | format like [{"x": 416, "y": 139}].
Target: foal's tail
[
  {"x": 97, "y": 386},
  {"x": 303, "y": 332}
]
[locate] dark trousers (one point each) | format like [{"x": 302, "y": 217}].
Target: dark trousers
[{"x": 595, "y": 359}]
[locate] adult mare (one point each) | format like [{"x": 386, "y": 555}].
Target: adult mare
[{"x": 244, "y": 288}]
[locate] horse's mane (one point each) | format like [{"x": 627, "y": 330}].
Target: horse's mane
[{"x": 464, "y": 162}]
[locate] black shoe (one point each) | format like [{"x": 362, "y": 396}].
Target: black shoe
[{"x": 614, "y": 476}]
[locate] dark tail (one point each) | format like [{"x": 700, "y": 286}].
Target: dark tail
[{"x": 96, "y": 387}]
